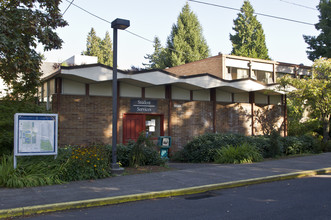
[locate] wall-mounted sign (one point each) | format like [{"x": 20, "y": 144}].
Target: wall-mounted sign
[{"x": 143, "y": 106}]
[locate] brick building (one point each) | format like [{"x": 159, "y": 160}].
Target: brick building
[{"x": 219, "y": 94}]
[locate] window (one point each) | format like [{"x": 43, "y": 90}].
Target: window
[
  {"x": 263, "y": 76},
  {"x": 237, "y": 73}
]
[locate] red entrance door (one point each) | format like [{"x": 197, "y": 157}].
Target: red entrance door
[{"x": 133, "y": 125}]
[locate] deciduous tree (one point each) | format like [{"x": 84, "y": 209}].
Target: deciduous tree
[
  {"x": 314, "y": 93},
  {"x": 23, "y": 25}
]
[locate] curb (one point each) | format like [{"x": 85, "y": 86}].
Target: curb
[{"x": 38, "y": 209}]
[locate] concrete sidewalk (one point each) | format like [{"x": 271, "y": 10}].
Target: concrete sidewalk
[{"x": 185, "y": 179}]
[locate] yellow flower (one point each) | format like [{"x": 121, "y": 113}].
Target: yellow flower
[
  {"x": 88, "y": 161},
  {"x": 95, "y": 165}
]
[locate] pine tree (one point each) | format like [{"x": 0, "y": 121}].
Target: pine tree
[
  {"x": 99, "y": 48},
  {"x": 320, "y": 46},
  {"x": 249, "y": 39},
  {"x": 92, "y": 44},
  {"x": 106, "y": 50},
  {"x": 186, "y": 42},
  {"x": 157, "y": 59}
]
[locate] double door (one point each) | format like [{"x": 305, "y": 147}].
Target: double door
[{"x": 134, "y": 124}]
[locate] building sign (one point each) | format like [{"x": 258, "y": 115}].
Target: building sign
[{"x": 143, "y": 106}]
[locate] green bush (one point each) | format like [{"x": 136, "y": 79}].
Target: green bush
[
  {"x": 203, "y": 148},
  {"x": 7, "y": 112},
  {"x": 142, "y": 152},
  {"x": 263, "y": 143},
  {"x": 81, "y": 163},
  {"x": 123, "y": 154},
  {"x": 274, "y": 149},
  {"x": 298, "y": 145},
  {"x": 244, "y": 153}
]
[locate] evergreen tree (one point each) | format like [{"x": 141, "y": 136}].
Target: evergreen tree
[
  {"x": 99, "y": 48},
  {"x": 157, "y": 59},
  {"x": 92, "y": 44},
  {"x": 249, "y": 39},
  {"x": 106, "y": 50},
  {"x": 320, "y": 46},
  {"x": 186, "y": 42}
]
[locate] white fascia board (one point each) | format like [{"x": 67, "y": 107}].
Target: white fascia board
[
  {"x": 155, "y": 78},
  {"x": 205, "y": 82},
  {"x": 96, "y": 73},
  {"x": 99, "y": 74},
  {"x": 247, "y": 85}
]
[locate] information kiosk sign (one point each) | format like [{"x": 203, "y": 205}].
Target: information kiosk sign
[{"x": 35, "y": 134}]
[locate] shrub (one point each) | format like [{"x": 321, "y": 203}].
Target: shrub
[
  {"x": 81, "y": 163},
  {"x": 262, "y": 143},
  {"x": 150, "y": 156},
  {"x": 203, "y": 148},
  {"x": 298, "y": 145},
  {"x": 274, "y": 146},
  {"x": 7, "y": 112},
  {"x": 123, "y": 153},
  {"x": 244, "y": 153}
]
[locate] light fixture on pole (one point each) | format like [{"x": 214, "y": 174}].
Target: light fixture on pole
[{"x": 116, "y": 24}]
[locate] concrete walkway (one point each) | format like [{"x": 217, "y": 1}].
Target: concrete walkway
[{"x": 184, "y": 179}]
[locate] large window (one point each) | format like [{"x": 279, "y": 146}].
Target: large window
[
  {"x": 262, "y": 76},
  {"x": 237, "y": 73}
]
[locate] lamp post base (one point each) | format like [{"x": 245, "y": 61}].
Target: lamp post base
[{"x": 116, "y": 169}]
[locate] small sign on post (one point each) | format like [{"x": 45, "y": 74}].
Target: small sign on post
[{"x": 35, "y": 134}]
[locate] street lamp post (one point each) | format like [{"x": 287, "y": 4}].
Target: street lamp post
[{"x": 116, "y": 24}]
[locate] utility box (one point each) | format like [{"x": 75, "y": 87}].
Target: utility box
[{"x": 164, "y": 142}]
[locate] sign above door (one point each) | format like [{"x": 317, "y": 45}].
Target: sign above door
[{"x": 143, "y": 106}]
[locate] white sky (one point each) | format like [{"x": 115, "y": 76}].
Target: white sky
[{"x": 150, "y": 18}]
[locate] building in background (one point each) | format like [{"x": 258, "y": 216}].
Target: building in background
[{"x": 220, "y": 94}]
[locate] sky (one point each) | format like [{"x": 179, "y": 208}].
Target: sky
[{"x": 150, "y": 18}]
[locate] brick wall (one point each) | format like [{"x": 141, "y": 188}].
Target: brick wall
[
  {"x": 85, "y": 120},
  {"x": 233, "y": 118},
  {"x": 211, "y": 65},
  {"x": 188, "y": 120}
]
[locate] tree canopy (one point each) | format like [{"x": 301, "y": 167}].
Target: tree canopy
[
  {"x": 157, "y": 58},
  {"x": 186, "y": 42},
  {"x": 320, "y": 46},
  {"x": 314, "y": 93},
  {"x": 23, "y": 25},
  {"x": 249, "y": 38},
  {"x": 103, "y": 49}
]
